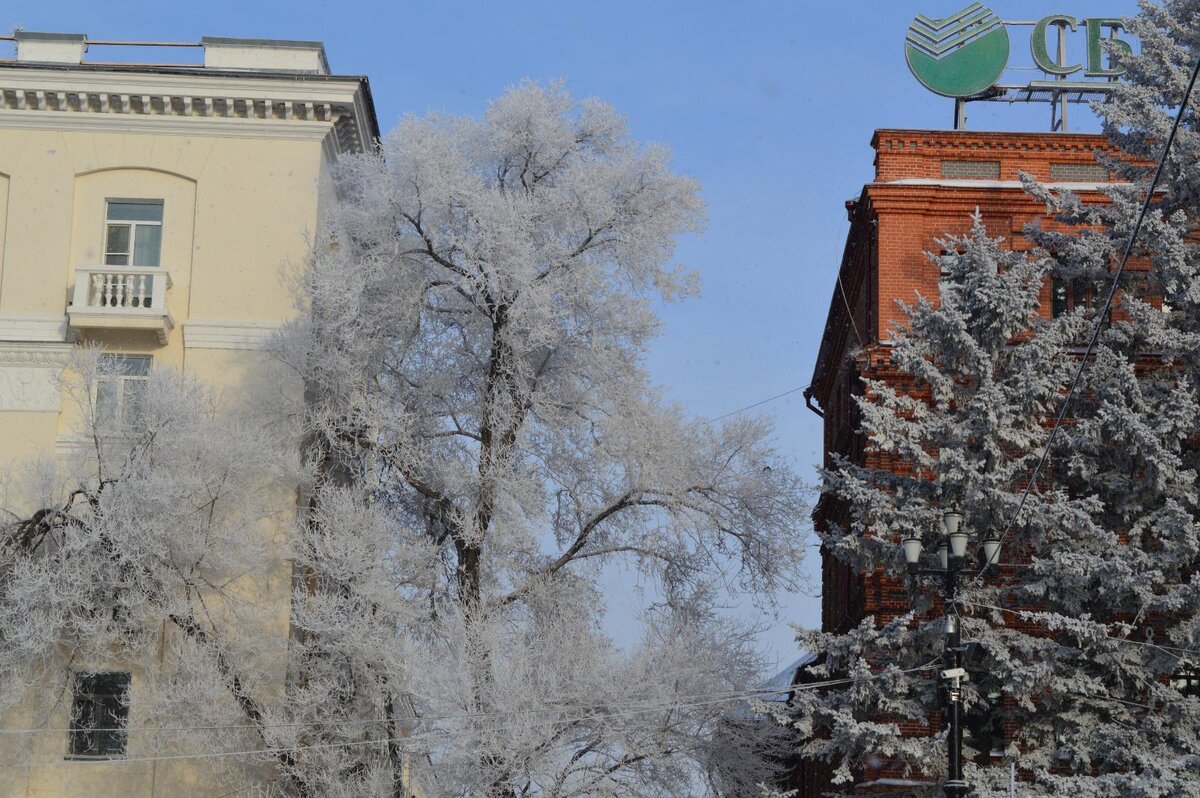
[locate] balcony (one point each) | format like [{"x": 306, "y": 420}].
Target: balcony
[{"x": 121, "y": 298}]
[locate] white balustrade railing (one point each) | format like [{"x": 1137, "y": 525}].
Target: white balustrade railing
[{"x": 116, "y": 289}]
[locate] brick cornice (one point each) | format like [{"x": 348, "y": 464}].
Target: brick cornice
[
  {"x": 941, "y": 198},
  {"x": 976, "y": 141}
]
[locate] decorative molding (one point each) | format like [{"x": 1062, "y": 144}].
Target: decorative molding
[
  {"x": 192, "y": 103},
  {"x": 1013, "y": 184},
  {"x": 928, "y": 142},
  {"x": 29, "y": 389},
  {"x": 29, "y": 327},
  {"x": 39, "y": 354},
  {"x": 29, "y": 376},
  {"x": 165, "y": 125},
  {"x": 74, "y": 447},
  {"x": 221, "y": 334}
]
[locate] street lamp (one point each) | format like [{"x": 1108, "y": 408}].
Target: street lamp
[
  {"x": 952, "y": 529},
  {"x": 991, "y": 549},
  {"x": 952, "y": 557}
]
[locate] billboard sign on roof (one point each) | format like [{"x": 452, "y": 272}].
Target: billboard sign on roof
[
  {"x": 965, "y": 54},
  {"x": 960, "y": 55}
]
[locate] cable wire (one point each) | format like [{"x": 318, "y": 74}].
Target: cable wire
[
  {"x": 447, "y": 732},
  {"x": 273, "y": 751},
  {"x": 757, "y": 404},
  {"x": 731, "y": 695},
  {"x": 1030, "y": 614}
]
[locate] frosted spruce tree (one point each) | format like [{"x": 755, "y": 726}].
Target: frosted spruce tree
[
  {"x": 1096, "y": 605},
  {"x": 477, "y": 312}
]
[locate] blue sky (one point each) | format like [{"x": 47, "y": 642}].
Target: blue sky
[{"x": 769, "y": 103}]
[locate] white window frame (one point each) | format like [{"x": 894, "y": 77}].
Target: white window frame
[
  {"x": 125, "y": 412},
  {"x": 133, "y": 225}
]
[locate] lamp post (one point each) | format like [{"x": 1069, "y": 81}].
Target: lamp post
[{"x": 952, "y": 558}]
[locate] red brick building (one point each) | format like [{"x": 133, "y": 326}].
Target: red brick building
[{"x": 927, "y": 184}]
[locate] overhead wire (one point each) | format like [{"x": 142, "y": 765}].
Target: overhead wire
[
  {"x": 679, "y": 701},
  {"x": 760, "y": 403},
  {"x": 1166, "y": 648},
  {"x": 417, "y": 736},
  {"x": 841, "y": 291},
  {"x": 729, "y": 694}
]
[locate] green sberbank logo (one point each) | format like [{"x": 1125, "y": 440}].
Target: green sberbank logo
[{"x": 961, "y": 55}]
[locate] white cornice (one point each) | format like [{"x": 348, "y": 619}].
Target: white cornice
[
  {"x": 165, "y": 125},
  {"x": 191, "y": 103},
  {"x": 195, "y": 84},
  {"x": 74, "y": 447},
  {"x": 27, "y": 327},
  {"x": 222, "y": 334}
]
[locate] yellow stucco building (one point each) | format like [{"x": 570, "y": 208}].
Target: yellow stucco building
[{"x": 152, "y": 209}]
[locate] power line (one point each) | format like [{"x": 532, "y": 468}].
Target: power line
[
  {"x": 1032, "y": 614},
  {"x": 758, "y": 404},
  {"x": 731, "y": 695},
  {"x": 1096, "y": 330},
  {"x": 433, "y": 734},
  {"x": 849, "y": 312},
  {"x": 841, "y": 290}
]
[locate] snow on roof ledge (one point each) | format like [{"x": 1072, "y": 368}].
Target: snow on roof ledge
[{"x": 786, "y": 679}]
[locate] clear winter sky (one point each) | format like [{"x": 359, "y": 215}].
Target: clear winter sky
[{"x": 769, "y": 103}]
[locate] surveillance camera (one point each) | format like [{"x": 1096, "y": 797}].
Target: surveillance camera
[{"x": 954, "y": 673}]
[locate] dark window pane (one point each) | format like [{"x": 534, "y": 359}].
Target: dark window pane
[
  {"x": 99, "y": 711},
  {"x": 1081, "y": 293},
  {"x": 135, "y": 365},
  {"x": 1187, "y": 682},
  {"x": 1058, "y": 297},
  {"x": 147, "y": 245},
  {"x": 136, "y": 211},
  {"x": 116, "y": 245},
  {"x": 107, "y": 404},
  {"x": 125, "y": 365},
  {"x": 133, "y": 403}
]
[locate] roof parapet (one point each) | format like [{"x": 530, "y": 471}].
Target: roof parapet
[
  {"x": 264, "y": 55},
  {"x": 220, "y": 52},
  {"x": 50, "y": 48}
]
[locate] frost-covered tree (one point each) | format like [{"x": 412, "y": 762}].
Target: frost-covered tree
[
  {"x": 1097, "y": 602},
  {"x": 149, "y": 546},
  {"x": 464, "y": 406},
  {"x": 477, "y": 314}
]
